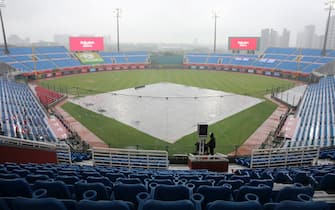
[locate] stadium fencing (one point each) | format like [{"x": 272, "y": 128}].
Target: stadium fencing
[
  {"x": 130, "y": 158},
  {"x": 278, "y": 157}
]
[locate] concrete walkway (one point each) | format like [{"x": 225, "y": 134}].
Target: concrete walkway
[
  {"x": 85, "y": 134},
  {"x": 260, "y": 135}
]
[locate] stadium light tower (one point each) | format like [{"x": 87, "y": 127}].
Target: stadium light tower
[
  {"x": 117, "y": 12},
  {"x": 329, "y": 6},
  {"x": 2, "y": 4},
  {"x": 215, "y": 15}
]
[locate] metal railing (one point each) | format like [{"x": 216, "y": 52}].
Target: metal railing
[
  {"x": 294, "y": 156},
  {"x": 62, "y": 150},
  {"x": 130, "y": 158}
]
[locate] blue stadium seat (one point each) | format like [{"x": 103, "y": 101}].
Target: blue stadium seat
[
  {"x": 128, "y": 192},
  {"x": 55, "y": 189},
  {"x": 263, "y": 192},
  {"x": 37, "y": 204},
  {"x": 167, "y": 205},
  {"x": 68, "y": 179},
  {"x": 129, "y": 180},
  {"x": 21, "y": 172},
  {"x": 4, "y": 205},
  {"x": 86, "y": 174},
  {"x": 256, "y": 182},
  {"x": 103, "y": 180},
  {"x": 294, "y": 205},
  {"x": 231, "y": 205},
  {"x": 283, "y": 177},
  {"x": 32, "y": 178},
  {"x": 81, "y": 187},
  {"x": 15, "y": 187},
  {"x": 103, "y": 205},
  {"x": 114, "y": 176},
  {"x": 302, "y": 178},
  {"x": 292, "y": 192},
  {"x": 198, "y": 183},
  {"x": 216, "y": 178},
  {"x": 163, "y": 176},
  {"x": 213, "y": 193},
  {"x": 50, "y": 50},
  {"x": 236, "y": 184},
  {"x": 171, "y": 192},
  {"x": 9, "y": 175},
  {"x": 142, "y": 177},
  {"x": 327, "y": 183}
]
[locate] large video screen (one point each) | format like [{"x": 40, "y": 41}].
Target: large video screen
[
  {"x": 243, "y": 43},
  {"x": 86, "y": 43}
]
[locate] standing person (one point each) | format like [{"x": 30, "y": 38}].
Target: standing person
[{"x": 211, "y": 144}]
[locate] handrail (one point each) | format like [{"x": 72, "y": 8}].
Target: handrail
[{"x": 130, "y": 158}]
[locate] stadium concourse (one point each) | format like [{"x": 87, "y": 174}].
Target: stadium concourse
[{"x": 32, "y": 175}]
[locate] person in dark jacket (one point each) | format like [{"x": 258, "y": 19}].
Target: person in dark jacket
[{"x": 211, "y": 144}]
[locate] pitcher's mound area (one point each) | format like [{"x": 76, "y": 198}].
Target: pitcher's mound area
[{"x": 165, "y": 110}]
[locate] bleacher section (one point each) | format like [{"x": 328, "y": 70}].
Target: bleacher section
[
  {"x": 316, "y": 116},
  {"x": 29, "y": 60},
  {"x": 21, "y": 115},
  {"x": 46, "y": 96},
  {"x": 75, "y": 187},
  {"x": 302, "y": 61},
  {"x": 125, "y": 58}
]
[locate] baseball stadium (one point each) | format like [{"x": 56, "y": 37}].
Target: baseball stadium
[{"x": 84, "y": 127}]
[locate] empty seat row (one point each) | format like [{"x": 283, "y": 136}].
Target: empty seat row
[
  {"x": 21, "y": 114},
  {"x": 316, "y": 116}
]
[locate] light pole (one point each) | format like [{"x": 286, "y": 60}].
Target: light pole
[
  {"x": 6, "y": 51},
  {"x": 215, "y": 15},
  {"x": 117, "y": 15},
  {"x": 330, "y": 7}
]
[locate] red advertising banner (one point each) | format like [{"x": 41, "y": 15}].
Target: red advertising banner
[
  {"x": 243, "y": 43},
  {"x": 86, "y": 43}
]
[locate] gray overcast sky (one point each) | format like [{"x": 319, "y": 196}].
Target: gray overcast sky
[{"x": 168, "y": 21}]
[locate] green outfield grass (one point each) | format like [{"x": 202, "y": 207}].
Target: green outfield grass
[{"x": 230, "y": 132}]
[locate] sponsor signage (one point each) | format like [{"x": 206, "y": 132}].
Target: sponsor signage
[
  {"x": 86, "y": 43},
  {"x": 243, "y": 43}
]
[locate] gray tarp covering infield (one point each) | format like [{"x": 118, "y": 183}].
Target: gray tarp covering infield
[{"x": 167, "y": 111}]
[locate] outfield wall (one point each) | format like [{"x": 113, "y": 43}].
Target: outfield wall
[
  {"x": 119, "y": 67},
  {"x": 252, "y": 70}
]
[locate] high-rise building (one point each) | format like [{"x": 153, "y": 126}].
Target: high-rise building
[
  {"x": 285, "y": 38},
  {"x": 307, "y": 37},
  {"x": 274, "y": 38},
  {"x": 265, "y": 38},
  {"x": 331, "y": 33},
  {"x": 299, "y": 43},
  {"x": 107, "y": 39},
  {"x": 271, "y": 38},
  {"x": 14, "y": 39},
  {"x": 62, "y": 39},
  {"x": 318, "y": 41}
]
